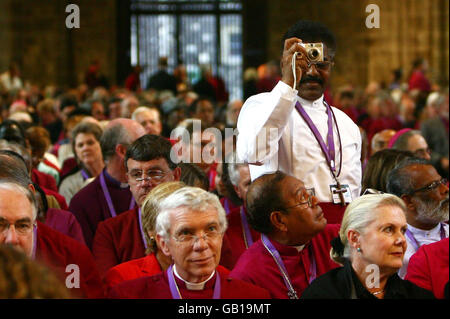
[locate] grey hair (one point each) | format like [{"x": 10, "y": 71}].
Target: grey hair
[
  {"x": 233, "y": 169},
  {"x": 399, "y": 181},
  {"x": 112, "y": 136},
  {"x": 359, "y": 214},
  {"x": 402, "y": 142},
  {"x": 6, "y": 184},
  {"x": 191, "y": 198}
]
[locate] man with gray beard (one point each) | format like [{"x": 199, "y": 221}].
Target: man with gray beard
[{"x": 425, "y": 194}]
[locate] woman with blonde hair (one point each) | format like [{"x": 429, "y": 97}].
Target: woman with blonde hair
[
  {"x": 370, "y": 247},
  {"x": 155, "y": 261}
]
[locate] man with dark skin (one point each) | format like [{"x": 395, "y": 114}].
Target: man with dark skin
[
  {"x": 425, "y": 194},
  {"x": 281, "y": 129}
]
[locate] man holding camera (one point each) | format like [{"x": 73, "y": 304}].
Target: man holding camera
[{"x": 294, "y": 130}]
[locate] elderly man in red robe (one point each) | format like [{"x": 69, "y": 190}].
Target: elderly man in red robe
[
  {"x": 295, "y": 241},
  {"x": 120, "y": 239},
  {"x": 108, "y": 195},
  {"x": 190, "y": 229},
  {"x": 70, "y": 260}
]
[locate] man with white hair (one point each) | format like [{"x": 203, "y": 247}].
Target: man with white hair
[
  {"x": 425, "y": 194},
  {"x": 149, "y": 118},
  {"x": 19, "y": 228},
  {"x": 190, "y": 229},
  {"x": 239, "y": 233}
]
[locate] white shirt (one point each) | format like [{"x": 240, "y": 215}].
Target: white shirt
[
  {"x": 291, "y": 145},
  {"x": 423, "y": 237}
]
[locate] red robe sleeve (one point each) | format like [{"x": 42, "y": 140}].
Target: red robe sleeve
[{"x": 58, "y": 251}]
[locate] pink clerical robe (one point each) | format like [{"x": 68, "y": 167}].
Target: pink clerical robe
[
  {"x": 67, "y": 257},
  {"x": 235, "y": 234},
  {"x": 90, "y": 206},
  {"x": 64, "y": 222},
  {"x": 258, "y": 267},
  {"x": 157, "y": 287}
]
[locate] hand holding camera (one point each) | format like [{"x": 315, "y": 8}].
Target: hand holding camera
[{"x": 300, "y": 56}]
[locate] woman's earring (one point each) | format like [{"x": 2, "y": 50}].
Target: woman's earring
[{"x": 358, "y": 249}]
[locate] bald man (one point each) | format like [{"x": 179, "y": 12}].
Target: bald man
[
  {"x": 149, "y": 118},
  {"x": 108, "y": 194},
  {"x": 381, "y": 140}
]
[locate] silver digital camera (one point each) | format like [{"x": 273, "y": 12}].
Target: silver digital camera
[{"x": 314, "y": 51}]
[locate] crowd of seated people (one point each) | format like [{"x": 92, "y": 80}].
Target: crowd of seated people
[{"x": 89, "y": 176}]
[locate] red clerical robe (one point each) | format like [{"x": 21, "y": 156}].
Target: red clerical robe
[
  {"x": 157, "y": 287},
  {"x": 428, "y": 267},
  {"x": 90, "y": 207},
  {"x": 44, "y": 180},
  {"x": 258, "y": 267},
  {"x": 235, "y": 235},
  {"x": 118, "y": 240},
  {"x": 333, "y": 213},
  {"x": 137, "y": 268},
  {"x": 64, "y": 222},
  {"x": 57, "y": 251}
]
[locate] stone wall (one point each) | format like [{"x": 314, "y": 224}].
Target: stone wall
[
  {"x": 33, "y": 33},
  {"x": 408, "y": 29}
]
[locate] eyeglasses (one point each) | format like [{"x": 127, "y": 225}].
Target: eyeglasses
[
  {"x": 305, "y": 198},
  {"x": 431, "y": 186},
  {"x": 321, "y": 65},
  {"x": 191, "y": 239},
  {"x": 21, "y": 227},
  {"x": 422, "y": 152},
  {"x": 152, "y": 175}
]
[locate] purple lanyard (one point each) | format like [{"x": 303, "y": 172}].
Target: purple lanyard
[
  {"x": 414, "y": 241},
  {"x": 141, "y": 229},
  {"x": 33, "y": 251},
  {"x": 176, "y": 292},
  {"x": 84, "y": 174},
  {"x": 112, "y": 211},
  {"x": 276, "y": 256},
  {"x": 329, "y": 151},
  {"x": 226, "y": 206},
  {"x": 248, "y": 240}
]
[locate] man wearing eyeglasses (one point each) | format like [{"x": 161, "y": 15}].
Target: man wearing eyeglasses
[
  {"x": 20, "y": 229},
  {"x": 190, "y": 229},
  {"x": 293, "y": 128},
  {"x": 120, "y": 239},
  {"x": 295, "y": 241},
  {"x": 426, "y": 196}
]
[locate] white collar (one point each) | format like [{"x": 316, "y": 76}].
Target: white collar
[
  {"x": 316, "y": 104},
  {"x": 190, "y": 285},
  {"x": 299, "y": 248},
  {"x": 421, "y": 232}
]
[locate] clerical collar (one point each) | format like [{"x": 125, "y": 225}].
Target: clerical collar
[
  {"x": 190, "y": 285},
  {"x": 114, "y": 181},
  {"x": 299, "y": 248},
  {"x": 316, "y": 104},
  {"x": 431, "y": 232}
]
